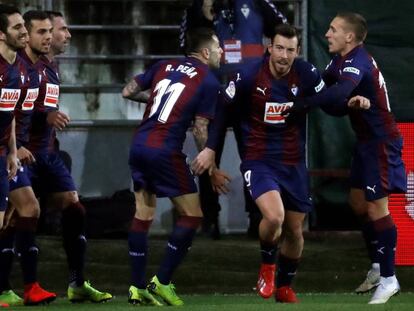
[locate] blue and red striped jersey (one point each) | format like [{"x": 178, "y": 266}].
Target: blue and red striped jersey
[
  {"x": 24, "y": 109},
  {"x": 42, "y": 134},
  {"x": 259, "y": 101},
  {"x": 14, "y": 81},
  {"x": 359, "y": 67},
  {"x": 180, "y": 90}
]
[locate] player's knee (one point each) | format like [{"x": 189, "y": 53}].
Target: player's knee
[
  {"x": 274, "y": 220},
  {"x": 358, "y": 206},
  {"x": 70, "y": 198},
  {"x": 30, "y": 208},
  {"x": 191, "y": 212},
  {"x": 375, "y": 211},
  {"x": 73, "y": 219},
  {"x": 294, "y": 237}
]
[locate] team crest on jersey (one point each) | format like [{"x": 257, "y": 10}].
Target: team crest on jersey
[
  {"x": 294, "y": 89},
  {"x": 273, "y": 112},
  {"x": 8, "y": 99},
  {"x": 31, "y": 96},
  {"x": 22, "y": 77},
  {"x": 52, "y": 95},
  {"x": 245, "y": 10}
]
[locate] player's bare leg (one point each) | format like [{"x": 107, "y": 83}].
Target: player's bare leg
[{"x": 270, "y": 228}]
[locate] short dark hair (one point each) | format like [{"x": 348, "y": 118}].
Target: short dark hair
[
  {"x": 197, "y": 39},
  {"x": 5, "y": 11},
  {"x": 357, "y": 23},
  {"x": 53, "y": 14},
  {"x": 287, "y": 31},
  {"x": 37, "y": 15}
]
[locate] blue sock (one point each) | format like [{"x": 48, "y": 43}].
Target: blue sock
[
  {"x": 371, "y": 240},
  {"x": 268, "y": 252},
  {"x": 6, "y": 257},
  {"x": 138, "y": 248},
  {"x": 177, "y": 247},
  {"x": 387, "y": 240},
  {"x": 287, "y": 268},
  {"x": 74, "y": 241},
  {"x": 26, "y": 247}
]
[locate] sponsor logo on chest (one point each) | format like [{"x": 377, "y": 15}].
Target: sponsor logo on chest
[
  {"x": 273, "y": 112},
  {"x": 52, "y": 95},
  {"x": 31, "y": 96},
  {"x": 8, "y": 99}
]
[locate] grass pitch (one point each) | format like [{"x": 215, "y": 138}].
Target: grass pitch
[
  {"x": 308, "y": 302},
  {"x": 220, "y": 275}
]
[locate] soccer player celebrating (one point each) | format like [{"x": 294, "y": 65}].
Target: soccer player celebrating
[
  {"x": 22, "y": 198},
  {"x": 48, "y": 173},
  {"x": 377, "y": 168},
  {"x": 13, "y": 77},
  {"x": 182, "y": 91},
  {"x": 273, "y": 154}
]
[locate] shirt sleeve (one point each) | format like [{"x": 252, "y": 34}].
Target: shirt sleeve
[
  {"x": 144, "y": 80},
  {"x": 219, "y": 124},
  {"x": 208, "y": 98}
]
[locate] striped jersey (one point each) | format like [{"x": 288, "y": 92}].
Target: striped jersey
[
  {"x": 260, "y": 100},
  {"x": 24, "y": 110},
  {"x": 359, "y": 67},
  {"x": 14, "y": 82},
  {"x": 180, "y": 90},
  {"x": 42, "y": 134}
]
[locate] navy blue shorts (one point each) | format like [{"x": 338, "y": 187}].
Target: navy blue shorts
[
  {"x": 20, "y": 180},
  {"x": 163, "y": 172},
  {"x": 4, "y": 184},
  {"x": 377, "y": 168},
  {"x": 291, "y": 181},
  {"x": 50, "y": 175}
]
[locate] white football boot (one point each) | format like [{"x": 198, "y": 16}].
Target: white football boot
[
  {"x": 371, "y": 281},
  {"x": 387, "y": 288}
]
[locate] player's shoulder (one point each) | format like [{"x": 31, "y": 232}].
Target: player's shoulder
[
  {"x": 248, "y": 72},
  {"x": 357, "y": 58},
  {"x": 303, "y": 66},
  {"x": 306, "y": 71}
]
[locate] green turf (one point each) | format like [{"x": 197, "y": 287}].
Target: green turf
[
  {"x": 309, "y": 302},
  {"x": 332, "y": 262}
]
